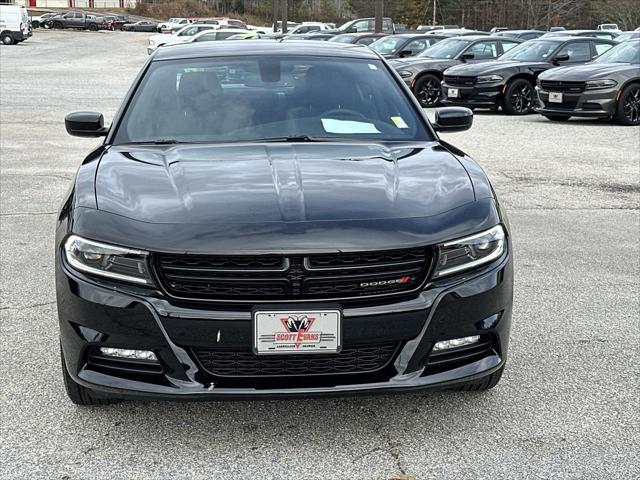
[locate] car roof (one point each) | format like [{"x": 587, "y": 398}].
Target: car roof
[
  {"x": 260, "y": 47},
  {"x": 522, "y": 31}
]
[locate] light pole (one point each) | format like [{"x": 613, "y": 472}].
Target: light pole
[
  {"x": 433, "y": 22},
  {"x": 379, "y": 15}
]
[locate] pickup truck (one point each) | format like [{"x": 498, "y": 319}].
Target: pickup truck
[{"x": 75, "y": 20}]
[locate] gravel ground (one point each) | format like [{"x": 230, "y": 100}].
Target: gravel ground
[{"x": 567, "y": 406}]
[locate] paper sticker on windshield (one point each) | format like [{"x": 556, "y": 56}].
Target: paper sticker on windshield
[
  {"x": 331, "y": 125},
  {"x": 399, "y": 122},
  {"x": 372, "y": 66}
]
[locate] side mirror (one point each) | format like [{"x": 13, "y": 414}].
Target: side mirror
[
  {"x": 453, "y": 119},
  {"x": 85, "y": 124},
  {"x": 561, "y": 58},
  {"x": 406, "y": 53},
  {"x": 467, "y": 56}
]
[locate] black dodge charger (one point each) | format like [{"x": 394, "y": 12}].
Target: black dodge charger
[
  {"x": 302, "y": 231},
  {"x": 509, "y": 82},
  {"x": 607, "y": 88}
]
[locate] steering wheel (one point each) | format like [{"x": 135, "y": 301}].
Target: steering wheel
[{"x": 343, "y": 112}]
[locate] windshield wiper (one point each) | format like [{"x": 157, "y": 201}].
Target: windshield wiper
[
  {"x": 160, "y": 141},
  {"x": 297, "y": 138}
]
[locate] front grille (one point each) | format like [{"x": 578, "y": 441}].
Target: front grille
[
  {"x": 356, "y": 359},
  {"x": 458, "y": 80},
  {"x": 274, "y": 277},
  {"x": 571, "y": 87}
]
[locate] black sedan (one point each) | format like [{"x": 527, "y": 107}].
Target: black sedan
[
  {"x": 423, "y": 73},
  {"x": 509, "y": 82},
  {"x": 304, "y": 233},
  {"x": 141, "y": 26},
  {"x": 404, "y": 44},
  {"x": 608, "y": 87}
]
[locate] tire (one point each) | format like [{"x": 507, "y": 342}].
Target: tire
[
  {"x": 57, "y": 25},
  {"x": 486, "y": 383},
  {"x": 428, "y": 90},
  {"x": 628, "y": 109},
  {"x": 557, "y": 118},
  {"x": 35, "y": 24},
  {"x": 77, "y": 393},
  {"x": 93, "y": 27},
  {"x": 519, "y": 97},
  {"x": 7, "y": 39}
]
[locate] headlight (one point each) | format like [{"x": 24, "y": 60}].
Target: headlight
[
  {"x": 595, "y": 84},
  {"x": 405, "y": 73},
  {"x": 107, "y": 260},
  {"x": 489, "y": 79},
  {"x": 469, "y": 252}
]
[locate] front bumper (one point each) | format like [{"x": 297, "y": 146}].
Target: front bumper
[
  {"x": 599, "y": 103},
  {"x": 92, "y": 315},
  {"x": 484, "y": 95}
]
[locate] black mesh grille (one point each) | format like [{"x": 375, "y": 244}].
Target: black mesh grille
[
  {"x": 357, "y": 359},
  {"x": 325, "y": 276},
  {"x": 572, "y": 87},
  {"x": 458, "y": 80}
]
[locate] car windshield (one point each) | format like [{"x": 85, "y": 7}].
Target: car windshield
[
  {"x": 447, "y": 48},
  {"x": 387, "y": 45},
  {"x": 342, "y": 39},
  {"x": 531, "y": 51},
  {"x": 628, "y": 52},
  {"x": 627, "y": 36},
  {"x": 277, "y": 98}
]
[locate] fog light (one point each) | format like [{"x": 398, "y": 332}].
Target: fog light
[
  {"x": 126, "y": 353},
  {"x": 456, "y": 342}
]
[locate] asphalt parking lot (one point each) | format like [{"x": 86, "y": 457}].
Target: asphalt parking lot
[{"x": 567, "y": 407}]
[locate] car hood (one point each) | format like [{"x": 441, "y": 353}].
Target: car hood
[
  {"x": 260, "y": 183},
  {"x": 490, "y": 67},
  {"x": 587, "y": 71},
  {"x": 417, "y": 61}
]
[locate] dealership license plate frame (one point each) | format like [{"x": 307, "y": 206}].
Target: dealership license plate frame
[
  {"x": 453, "y": 93},
  {"x": 267, "y": 322},
  {"x": 555, "y": 97}
]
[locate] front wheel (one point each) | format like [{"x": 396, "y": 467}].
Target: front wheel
[
  {"x": 518, "y": 98},
  {"x": 557, "y": 118},
  {"x": 628, "y": 110},
  {"x": 77, "y": 393},
  {"x": 93, "y": 27},
  {"x": 7, "y": 39},
  {"x": 428, "y": 90},
  {"x": 58, "y": 25}
]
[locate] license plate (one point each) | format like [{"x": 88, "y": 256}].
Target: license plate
[
  {"x": 555, "y": 97},
  {"x": 298, "y": 331},
  {"x": 452, "y": 92}
]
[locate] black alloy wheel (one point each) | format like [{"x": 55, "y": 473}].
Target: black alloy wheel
[
  {"x": 428, "y": 90},
  {"x": 628, "y": 112},
  {"x": 518, "y": 99}
]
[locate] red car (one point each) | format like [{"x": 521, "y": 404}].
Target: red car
[{"x": 114, "y": 22}]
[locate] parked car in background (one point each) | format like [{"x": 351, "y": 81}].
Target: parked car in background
[
  {"x": 181, "y": 36},
  {"x": 609, "y": 26},
  {"x": 39, "y": 20},
  {"x": 609, "y": 35},
  {"x": 308, "y": 27},
  {"x": 624, "y": 36},
  {"x": 509, "y": 82},
  {"x": 364, "y": 38},
  {"x": 165, "y": 27},
  {"x": 222, "y": 34},
  {"x": 366, "y": 25},
  {"x": 607, "y": 88},
  {"x": 498, "y": 29},
  {"x": 423, "y": 73},
  {"x": 76, "y": 20},
  {"x": 427, "y": 28},
  {"x": 140, "y": 26},
  {"x": 521, "y": 34},
  {"x": 319, "y": 36},
  {"x": 114, "y": 22},
  {"x": 14, "y": 24},
  {"x": 457, "y": 32},
  {"x": 404, "y": 44}
]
